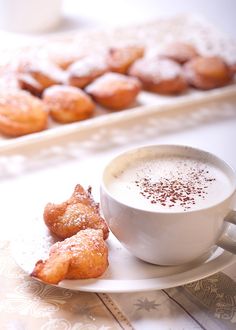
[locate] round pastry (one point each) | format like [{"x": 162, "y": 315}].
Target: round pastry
[
  {"x": 207, "y": 72},
  {"x": 64, "y": 56},
  {"x": 21, "y": 113},
  {"x": 44, "y": 72},
  {"x": 119, "y": 59},
  {"x": 67, "y": 104},
  {"x": 84, "y": 71},
  {"x": 179, "y": 51},
  {"x": 159, "y": 75},
  {"x": 28, "y": 83},
  {"x": 114, "y": 91}
]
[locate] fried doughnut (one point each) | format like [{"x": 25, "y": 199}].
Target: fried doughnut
[
  {"x": 114, "y": 91},
  {"x": 82, "y": 256},
  {"x": 44, "y": 72},
  {"x": 179, "y": 51},
  {"x": 84, "y": 71},
  {"x": 77, "y": 213},
  {"x": 64, "y": 57},
  {"x": 119, "y": 59},
  {"x": 28, "y": 83},
  {"x": 67, "y": 104},
  {"x": 21, "y": 113},
  {"x": 207, "y": 72},
  {"x": 159, "y": 75}
]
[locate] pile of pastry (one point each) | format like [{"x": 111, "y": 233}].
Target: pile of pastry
[
  {"x": 67, "y": 90},
  {"x": 80, "y": 251}
]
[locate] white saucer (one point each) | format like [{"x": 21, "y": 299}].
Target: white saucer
[{"x": 125, "y": 272}]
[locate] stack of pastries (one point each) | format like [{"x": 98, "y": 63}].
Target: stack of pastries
[
  {"x": 81, "y": 251},
  {"x": 67, "y": 89}
]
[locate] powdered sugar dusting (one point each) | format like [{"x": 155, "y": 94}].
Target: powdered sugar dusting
[
  {"x": 157, "y": 69},
  {"x": 90, "y": 65}
]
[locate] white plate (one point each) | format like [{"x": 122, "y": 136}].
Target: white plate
[{"x": 125, "y": 272}]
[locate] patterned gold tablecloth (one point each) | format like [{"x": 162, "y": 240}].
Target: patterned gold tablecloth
[{"x": 27, "y": 304}]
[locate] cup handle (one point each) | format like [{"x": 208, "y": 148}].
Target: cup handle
[{"x": 226, "y": 242}]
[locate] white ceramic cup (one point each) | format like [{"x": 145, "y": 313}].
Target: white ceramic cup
[
  {"x": 29, "y": 15},
  {"x": 169, "y": 238}
]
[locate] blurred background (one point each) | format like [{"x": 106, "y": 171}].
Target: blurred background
[
  {"x": 52, "y": 16},
  {"x": 221, "y": 13}
]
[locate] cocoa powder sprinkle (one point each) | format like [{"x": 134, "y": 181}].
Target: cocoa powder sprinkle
[{"x": 176, "y": 189}]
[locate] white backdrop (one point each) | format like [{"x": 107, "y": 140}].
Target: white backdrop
[{"x": 81, "y": 13}]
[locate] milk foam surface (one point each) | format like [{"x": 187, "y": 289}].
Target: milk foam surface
[{"x": 169, "y": 184}]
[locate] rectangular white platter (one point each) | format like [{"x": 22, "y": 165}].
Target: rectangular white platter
[{"x": 152, "y": 35}]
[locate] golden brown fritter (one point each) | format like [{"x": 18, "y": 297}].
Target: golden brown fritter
[
  {"x": 44, "y": 72},
  {"x": 64, "y": 56},
  {"x": 67, "y": 104},
  {"x": 82, "y": 256},
  {"x": 114, "y": 91},
  {"x": 21, "y": 113},
  {"x": 159, "y": 75},
  {"x": 119, "y": 59},
  {"x": 28, "y": 83},
  {"x": 77, "y": 213},
  {"x": 179, "y": 51},
  {"x": 85, "y": 70},
  {"x": 207, "y": 72}
]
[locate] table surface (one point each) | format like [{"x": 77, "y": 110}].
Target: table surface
[{"x": 209, "y": 303}]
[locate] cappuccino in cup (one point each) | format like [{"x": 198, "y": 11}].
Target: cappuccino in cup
[
  {"x": 169, "y": 204},
  {"x": 169, "y": 183}
]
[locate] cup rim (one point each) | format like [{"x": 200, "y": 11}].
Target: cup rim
[{"x": 176, "y": 146}]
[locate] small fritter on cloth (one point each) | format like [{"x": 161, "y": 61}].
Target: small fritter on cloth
[
  {"x": 77, "y": 213},
  {"x": 82, "y": 256}
]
